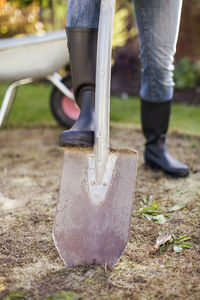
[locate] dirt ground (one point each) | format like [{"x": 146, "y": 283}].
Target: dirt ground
[{"x": 30, "y": 168}]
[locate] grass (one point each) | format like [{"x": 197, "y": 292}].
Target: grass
[
  {"x": 31, "y": 106},
  {"x": 184, "y": 119},
  {"x": 31, "y": 109}
]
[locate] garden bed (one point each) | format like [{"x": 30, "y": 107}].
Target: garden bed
[{"x": 30, "y": 168}]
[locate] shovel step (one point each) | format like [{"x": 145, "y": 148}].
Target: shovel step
[{"x": 87, "y": 233}]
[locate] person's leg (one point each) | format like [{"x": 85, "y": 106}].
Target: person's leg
[
  {"x": 158, "y": 25},
  {"x": 82, "y": 30},
  {"x": 83, "y": 13}
]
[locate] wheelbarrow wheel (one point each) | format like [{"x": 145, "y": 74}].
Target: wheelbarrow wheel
[{"x": 64, "y": 109}]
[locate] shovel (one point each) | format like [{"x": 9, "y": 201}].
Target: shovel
[{"x": 96, "y": 193}]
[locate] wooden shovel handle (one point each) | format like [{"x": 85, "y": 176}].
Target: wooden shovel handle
[{"x": 103, "y": 78}]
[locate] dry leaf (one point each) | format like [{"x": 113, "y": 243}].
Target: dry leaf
[{"x": 162, "y": 239}]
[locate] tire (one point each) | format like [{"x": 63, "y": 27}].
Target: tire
[{"x": 64, "y": 110}]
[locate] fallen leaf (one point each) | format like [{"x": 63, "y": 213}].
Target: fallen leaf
[
  {"x": 161, "y": 240},
  {"x": 159, "y": 219},
  {"x": 177, "y": 207},
  {"x": 177, "y": 248}
]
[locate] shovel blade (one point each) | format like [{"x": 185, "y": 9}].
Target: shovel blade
[{"x": 89, "y": 233}]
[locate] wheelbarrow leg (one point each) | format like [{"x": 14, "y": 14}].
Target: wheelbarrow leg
[
  {"x": 9, "y": 98},
  {"x": 56, "y": 79}
]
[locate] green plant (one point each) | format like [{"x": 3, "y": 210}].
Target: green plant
[
  {"x": 185, "y": 74},
  {"x": 124, "y": 24},
  {"x": 16, "y": 295},
  {"x": 31, "y": 16},
  {"x": 69, "y": 295},
  {"x": 177, "y": 243},
  {"x": 20, "y": 20},
  {"x": 153, "y": 212},
  {"x": 23, "y": 3}
]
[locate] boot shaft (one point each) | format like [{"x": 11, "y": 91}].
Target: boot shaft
[
  {"x": 155, "y": 121},
  {"x": 82, "y": 44}
]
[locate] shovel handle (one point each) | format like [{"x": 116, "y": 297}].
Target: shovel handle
[{"x": 102, "y": 94}]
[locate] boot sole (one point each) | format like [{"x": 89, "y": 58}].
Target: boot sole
[
  {"x": 76, "y": 139},
  {"x": 154, "y": 166}
]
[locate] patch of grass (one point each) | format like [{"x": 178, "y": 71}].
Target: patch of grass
[
  {"x": 31, "y": 108},
  {"x": 125, "y": 111},
  {"x": 69, "y": 295},
  {"x": 15, "y": 295},
  {"x": 63, "y": 295},
  {"x": 185, "y": 119}
]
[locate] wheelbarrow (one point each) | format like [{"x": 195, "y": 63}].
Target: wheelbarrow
[{"x": 30, "y": 58}]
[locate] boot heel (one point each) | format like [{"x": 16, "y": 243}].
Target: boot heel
[{"x": 151, "y": 164}]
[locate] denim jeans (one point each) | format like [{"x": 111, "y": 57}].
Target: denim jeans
[{"x": 158, "y": 26}]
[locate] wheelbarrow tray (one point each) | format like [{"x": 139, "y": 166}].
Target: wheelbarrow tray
[{"x": 34, "y": 56}]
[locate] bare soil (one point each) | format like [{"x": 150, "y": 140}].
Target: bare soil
[{"x": 30, "y": 168}]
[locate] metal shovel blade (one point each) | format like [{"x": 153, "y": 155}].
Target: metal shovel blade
[{"x": 92, "y": 222}]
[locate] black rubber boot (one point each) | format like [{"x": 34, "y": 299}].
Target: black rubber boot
[
  {"x": 155, "y": 121},
  {"x": 82, "y": 43}
]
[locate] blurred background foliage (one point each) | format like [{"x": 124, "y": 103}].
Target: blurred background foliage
[
  {"x": 20, "y": 17},
  {"x": 186, "y": 74},
  {"x": 35, "y": 16}
]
